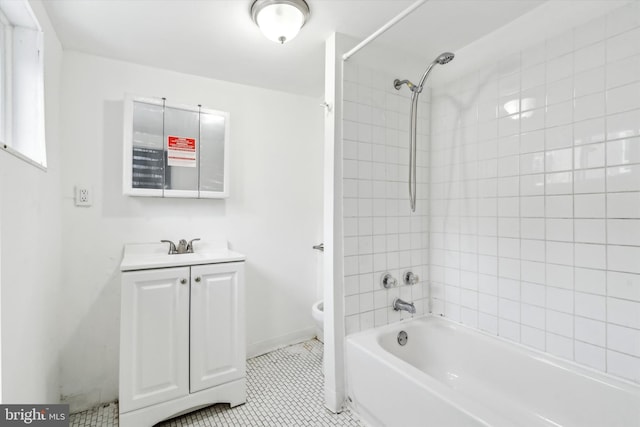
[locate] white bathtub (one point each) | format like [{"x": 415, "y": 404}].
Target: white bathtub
[{"x": 450, "y": 375}]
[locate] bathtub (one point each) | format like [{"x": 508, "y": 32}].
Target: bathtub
[{"x": 451, "y": 375}]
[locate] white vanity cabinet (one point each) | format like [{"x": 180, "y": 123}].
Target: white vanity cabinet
[{"x": 182, "y": 339}]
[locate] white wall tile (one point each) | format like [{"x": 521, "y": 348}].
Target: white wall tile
[
  {"x": 532, "y": 250},
  {"x": 590, "y": 355},
  {"x": 588, "y": 255},
  {"x": 532, "y": 141},
  {"x": 533, "y": 77},
  {"x": 533, "y": 316},
  {"x": 589, "y": 82},
  {"x": 624, "y": 340},
  {"x": 532, "y": 228},
  {"x": 560, "y": 346},
  {"x": 559, "y": 323},
  {"x": 623, "y": 125},
  {"x": 623, "y": 151},
  {"x": 623, "y": 45},
  {"x": 561, "y": 67},
  {"x": 559, "y": 299},
  {"x": 590, "y": 306},
  {"x": 623, "y": 98},
  {"x": 561, "y": 90},
  {"x": 559, "y": 276},
  {"x": 589, "y": 205},
  {"x": 589, "y": 106},
  {"x": 623, "y": 285},
  {"x": 532, "y": 185},
  {"x": 532, "y": 271},
  {"x": 589, "y": 131},
  {"x": 589, "y": 156},
  {"x": 623, "y": 258},
  {"x": 623, "y": 231},
  {"x": 591, "y": 331},
  {"x": 559, "y": 229},
  {"x": 589, "y": 57},
  {"x": 589, "y": 181},
  {"x": 623, "y": 72},
  {"x": 623, "y": 365},
  {"x": 590, "y": 280},
  {"x": 560, "y": 114},
  {"x": 590, "y": 230},
  {"x": 559, "y": 206},
  {"x": 532, "y": 337},
  {"x": 559, "y": 183},
  {"x": 533, "y": 293},
  {"x": 509, "y": 329},
  {"x": 558, "y": 160},
  {"x": 623, "y": 313}
]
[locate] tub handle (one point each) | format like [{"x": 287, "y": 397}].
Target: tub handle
[
  {"x": 387, "y": 281},
  {"x": 410, "y": 278}
]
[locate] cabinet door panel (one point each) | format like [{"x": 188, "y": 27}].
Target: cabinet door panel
[
  {"x": 154, "y": 337},
  {"x": 217, "y": 325}
]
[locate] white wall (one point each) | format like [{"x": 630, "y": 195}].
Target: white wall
[
  {"x": 535, "y": 220},
  {"x": 30, "y": 254},
  {"x": 273, "y": 215}
]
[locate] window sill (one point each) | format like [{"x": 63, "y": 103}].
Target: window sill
[{"x": 19, "y": 155}]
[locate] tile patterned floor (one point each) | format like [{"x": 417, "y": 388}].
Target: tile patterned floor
[{"x": 284, "y": 389}]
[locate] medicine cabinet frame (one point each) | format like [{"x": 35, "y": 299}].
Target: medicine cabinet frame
[{"x": 130, "y": 189}]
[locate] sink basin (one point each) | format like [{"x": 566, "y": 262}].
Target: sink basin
[{"x": 144, "y": 256}]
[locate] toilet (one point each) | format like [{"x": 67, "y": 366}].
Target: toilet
[{"x": 317, "y": 311}]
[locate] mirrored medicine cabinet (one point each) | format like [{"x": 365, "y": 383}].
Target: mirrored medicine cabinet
[{"x": 173, "y": 150}]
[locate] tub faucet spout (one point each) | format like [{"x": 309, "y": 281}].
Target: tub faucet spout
[{"x": 399, "y": 304}]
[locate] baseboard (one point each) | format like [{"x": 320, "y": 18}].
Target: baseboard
[
  {"x": 262, "y": 347},
  {"x": 86, "y": 401}
]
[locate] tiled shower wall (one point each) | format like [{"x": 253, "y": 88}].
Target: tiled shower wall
[
  {"x": 381, "y": 234},
  {"x": 535, "y": 196}
]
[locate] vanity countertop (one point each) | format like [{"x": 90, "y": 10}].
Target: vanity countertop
[{"x": 144, "y": 256}]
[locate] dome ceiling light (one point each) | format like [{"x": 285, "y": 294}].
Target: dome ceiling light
[{"x": 280, "y": 20}]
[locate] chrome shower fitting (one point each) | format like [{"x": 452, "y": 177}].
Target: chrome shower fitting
[
  {"x": 387, "y": 281},
  {"x": 443, "y": 58},
  {"x": 397, "y": 84},
  {"x": 401, "y": 305}
]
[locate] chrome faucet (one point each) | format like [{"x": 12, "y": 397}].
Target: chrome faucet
[
  {"x": 182, "y": 248},
  {"x": 399, "y": 305},
  {"x": 190, "y": 245},
  {"x": 172, "y": 246}
]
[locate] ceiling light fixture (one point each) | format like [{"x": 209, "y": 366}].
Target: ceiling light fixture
[{"x": 280, "y": 20}]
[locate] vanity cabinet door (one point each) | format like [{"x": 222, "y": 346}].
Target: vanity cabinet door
[
  {"x": 154, "y": 343},
  {"x": 217, "y": 324}
]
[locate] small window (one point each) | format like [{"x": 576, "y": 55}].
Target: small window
[{"x": 22, "y": 130}]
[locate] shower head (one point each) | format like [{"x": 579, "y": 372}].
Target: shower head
[{"x": 445, "y": 58}]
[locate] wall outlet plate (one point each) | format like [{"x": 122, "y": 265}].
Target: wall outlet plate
[{"x": 83, "y": 196}]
